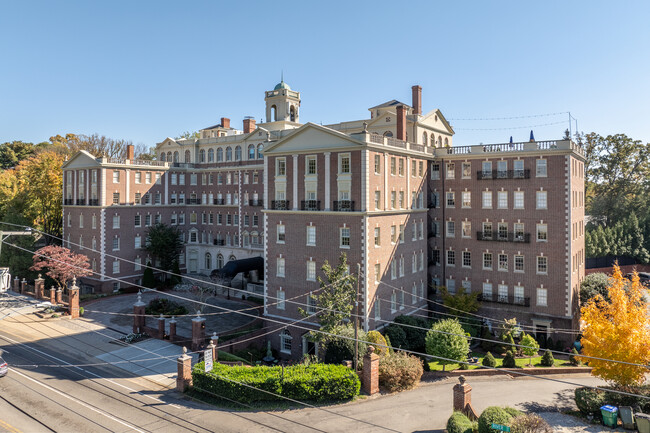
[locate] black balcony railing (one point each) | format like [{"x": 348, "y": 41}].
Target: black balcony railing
[
  {"x": 68, "y": 201},
  {"x": 81, "y": 202},
  {"x": 504, "y": 299},
  {"x": 193, "y": 201},
  {"x": 254, "y": 202},
  {"x": 93, "y": 202},
  {"x": 219, "y": 201},
  {"x": 503, "y": 237},
  {"x": 343, "y": 206},
  {"x": 280, "y": 204},
  {"x": 310, "y": 205},
  {"x": 503, "y": 174},
  {"x": 219, "y": 242}
]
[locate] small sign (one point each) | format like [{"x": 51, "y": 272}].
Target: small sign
[
  {"x": 500, "y": 427},
  {"x": 207, "y": 357}
]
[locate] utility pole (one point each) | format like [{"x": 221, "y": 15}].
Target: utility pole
[{"x": 356, "y": 320}]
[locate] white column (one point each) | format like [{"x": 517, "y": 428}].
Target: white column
[
  {"x": 386, "y": 192},
  {"x": 74, "y": 188},
  {"x": 408, "y": 183},
  {"x": 295, "y": 182},
  {"x": 87, "y": 186},
  {"x": 328, "y": 201},
  {"x": 166, "y": 177}
]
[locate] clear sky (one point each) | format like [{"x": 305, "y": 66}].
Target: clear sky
[{"x": 145, "y": 70}]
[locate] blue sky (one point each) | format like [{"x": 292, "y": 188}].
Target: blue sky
[{"x": 145, "y": 70}]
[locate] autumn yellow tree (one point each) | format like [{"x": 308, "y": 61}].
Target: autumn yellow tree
[{"x": 618, "y": 330}]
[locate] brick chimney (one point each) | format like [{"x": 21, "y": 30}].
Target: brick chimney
[
  {"x": 249, "y": 125},
  {"x": 130, "y": 152},
  {"x": 417, "y": 99},
  {"x": 401, "y": 122},
  {"x": 225, "y": 122}
]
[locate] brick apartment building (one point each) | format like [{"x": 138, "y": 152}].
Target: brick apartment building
[{"x": 504, "y": 220}]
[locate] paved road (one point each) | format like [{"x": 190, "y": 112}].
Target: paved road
[{"x": 38, "y": 396}]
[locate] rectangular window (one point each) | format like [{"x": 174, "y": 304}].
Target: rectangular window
[
  {"x": 393, "y": 269},
  {"x": 174, "y": 180},
  {"x": 377, "y": 164},
  {"x": 541, "y": 168},
  {"x": 503, "y": 293},
  {"x": 280, "y": 267},
  {"x": 116, "y": 198},
  {"x": 519, "y": 199},
  {"x": 519, "y": 232},
  {"x": 487, "y": 199},
  {"x": 435, "y": 171},
  {"x": 502, "y": 231},
  {"x": 116, "y": 176},
  {"x": 466, "y": 227},
  {"x": 519, "y": 263},
  {"x": 503, "y": 262},
  {"x": 451, "y": 170},
  {"x": 487, "y": 261},
  {"x": 311, "y": 165},
  {"x": 116, "y": 267},
  {"x": 451, "y": 199},
  {"x": 147, "y": 177},
  {"x": 345, "y": 237},
  {"x": 486, "y": 170},
  {"x": 502, "y": 169},
  {"x": 420, "y": 169},
  {"x": 401, "y": 200},
  {"x": 137, "y": 221},
  {"x": 138, "y": 242},
  {"x": 542, "y": 298},
  {"x": 541, "y": 199},
  {"x": 451, "y": 229},
  {"x": 451, "y": 286},
  {"x": 401, "y": 233},
  {"x": 400, "y": 166},
  {"x": 487, "y": 230},
  {"x": 311, "y": 270},
  {"x": 393, "y": 234},
  {"x": 502, "y": 199},
  {"x": 451, "y": 258},
  {"x": 393, "y": 199},
  {"x": 393, "y": 166},
  {"x": 138, "y": 177},
  {"x": 280, "y": 167},
  {"x": 193, "y": 179},
  {"x": 467, "y": 259},
  {"x": 467, "y": 170},
  {"x": 311, "y": 235},
  {"x": 344, "y": 164},
  {"x": 181, "y": 179},
  {"x": 519, "y": 295},
  {"x": 377, "y": 199},
  {"x": 377, "y": 271},
  {"x": 542, "y": 234},
  {"x": 377, "y": 236},
  {"x": 467, "y": 199},
  {"x": 280, "y": 296},
  {"x": 542, "y": 265},
  {"x": 487, "y": 291},
  {"x": 414, "y": 168},
  {"x": 116, "y": 244},
  {"x": 116, "y": 221},
  {"x": 281, "y": 233}
]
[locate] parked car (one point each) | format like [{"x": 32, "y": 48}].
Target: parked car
[
  {"x": 3, "y": 367},
  {"x": 644, "y": 278}
]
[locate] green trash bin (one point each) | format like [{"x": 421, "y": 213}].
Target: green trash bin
[{"x": 610, "y": 415}]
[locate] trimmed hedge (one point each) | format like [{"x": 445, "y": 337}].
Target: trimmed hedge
[
  {"x": 590, "y": 400},
  {"x": 459, "y": 423},
  {"x": 314, "y": 382},
  {"x": 493, "y": 414}
]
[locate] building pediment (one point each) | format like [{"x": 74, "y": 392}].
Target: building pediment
[
  {"x": 311, "y": 137},
  {"x": 81, "y": 159}
]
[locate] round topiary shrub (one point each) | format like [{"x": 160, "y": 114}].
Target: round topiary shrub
[
  {"x": 379, "y": 342},
  {"x": 547, "y": 359},
  {"x": 489, "y": 360},
  {"x": 459, "y": 423},
  {"x": 493, "y": 414},
  {"x": 530, "y": 423},
  {"x": 399, "y": 371},
  {"x": 590, "y": 400},
  {"x": 509, "y": 360},
  {"x": 512, "y": 411}
]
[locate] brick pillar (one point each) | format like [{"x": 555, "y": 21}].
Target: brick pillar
[
  {"x": 184, "y": 378},
  {"x": 74, "y": 299},
  {"x": 462, "y": 395},
  {"x": 59, "y": 296},
  {"x": 370, "y": 373},
  {"x": 172, "y": 329},
  {"x": 198, "y": 332},
  {"x": 214, "y": 342},
  {"x": 17, "y": 285},
  {"x": 161, "y": 327},
  {"x": 39, "y": 287},
  {"x": 138, "y": 315},
  {"x": 52, "y": 295},
  {"x": 23, "y": 286}
]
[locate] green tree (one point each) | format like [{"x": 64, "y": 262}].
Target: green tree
[
  {"x": 335, "y": 299},
  {"x": 592, "y": 285},
  {"x": 164, "y": 243},
  {"x": 447, "y": 339},
  {"x": 11, "y": 153},
  {"x": 461, "y": 303},
  {"x": 529, "y": 346},
  {"x": 188, "y": 135},
  {"x": 148, "y": 278},
  {"x": 634, "y": 239}
]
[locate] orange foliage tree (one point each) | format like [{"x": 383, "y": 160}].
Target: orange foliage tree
[{"x": 618, "y": 330}]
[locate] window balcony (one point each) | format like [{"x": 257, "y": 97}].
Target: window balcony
[
  {"x": 504, "y": 299},
  {"x": 310, "y": 205},
  {"x": 280, "y": 204},
  {"x": 68, "y": 202},
  {"x": 219, "y": 242},
  {"x": 254, "y": 202},
  {"x": 502, "y": 174},
  {"x": 81, "y": 202},
  {"x": 193, "y": 201},
  {"x": 219, "y": 201},
  {"x": 93, "y": 202},
  {"x": 343, "y": 206},
  {"x": 503, "y": 237}
]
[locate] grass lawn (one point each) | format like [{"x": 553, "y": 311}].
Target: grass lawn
[{"x": 521, "y": 362}]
